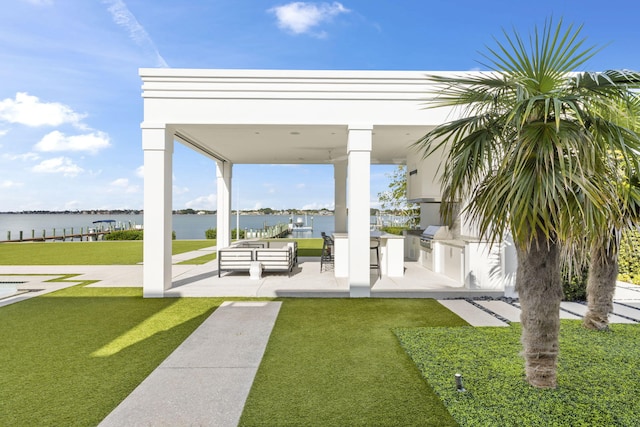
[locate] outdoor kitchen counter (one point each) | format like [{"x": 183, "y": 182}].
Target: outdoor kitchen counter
[
  {"x": 459, "y": 243},
  {"x": 391, "y": 254}
]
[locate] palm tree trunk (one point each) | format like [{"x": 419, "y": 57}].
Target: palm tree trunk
[
  {"x": 539, "y": 287},
  {"x": 601, "y": 285}
]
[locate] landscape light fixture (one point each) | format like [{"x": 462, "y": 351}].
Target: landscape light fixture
[{"x": 459, "y": 386}]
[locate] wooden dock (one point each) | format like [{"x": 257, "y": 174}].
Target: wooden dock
[
  {"x": 270, "y": 232},
  {"x": 91, "y": 234},
  {"x": 65, "y": 237}
]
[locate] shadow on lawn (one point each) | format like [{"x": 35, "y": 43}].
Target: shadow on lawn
[{"x": 75, "y": 354}]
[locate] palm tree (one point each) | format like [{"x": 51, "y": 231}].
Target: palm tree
[
  {"x": 605, "y": 242},
  {"x": 527, "y": 156}
]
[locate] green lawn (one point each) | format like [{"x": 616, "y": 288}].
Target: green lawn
[
  {"x": 336, "y": 362},
  {"x": 68, "y": 358},
  {"x": 71, "y": 356},
  {"x": 116, "y": 252},
  {"x": 598, "y": 375}
]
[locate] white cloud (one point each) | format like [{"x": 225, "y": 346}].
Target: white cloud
[
  {"x": 57, "y": 141},
  {"x": 180, "y": 190},
  {"x": 203, "y": 202},
  {"x": 62, "y": 165},
  {"x": 23, "y": 157},
  {"x": 28, "y": 110},
  {"x": 301, "y": 17},
  {"x": 122, "y": 185},
  {"x": 123, "y": 17},
  {"x": 3, "y": 132},
  {"x": 120, "y": 182},
  {"x": 10, "y": 184},
  {"x": 140, "y": 171}
]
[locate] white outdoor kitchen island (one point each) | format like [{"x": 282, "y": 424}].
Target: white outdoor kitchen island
[{"x": 391, "y": 254}]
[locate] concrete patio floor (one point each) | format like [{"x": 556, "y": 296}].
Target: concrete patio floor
[
  {"x": 306, "y": 280},
  {"x": 202, "y": 281}
]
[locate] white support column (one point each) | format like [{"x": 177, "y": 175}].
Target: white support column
[
  {"x": 223, "y": 215},
  {"x": 340, "y": 196},
  {"x": 358, "y": 189},
  {"x": 157, "y": 144}
]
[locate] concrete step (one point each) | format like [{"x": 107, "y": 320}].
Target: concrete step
[
  {"x": 633, "y": 312},
  {"x": 473, "y": 315},
  {"x": 581, "y": 309},
  {"x": 502, "y": 309},
  {"x": 563, "y": 313}
]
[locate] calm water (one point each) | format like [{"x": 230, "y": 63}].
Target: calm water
[{"x": 185, "y": 226}]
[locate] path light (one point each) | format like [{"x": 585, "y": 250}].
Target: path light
[{"x": 459, "y": 386}]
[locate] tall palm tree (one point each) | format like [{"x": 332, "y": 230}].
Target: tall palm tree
[
  {"x": 605, "y": 242},
  {"x": 526, "y": 154}
]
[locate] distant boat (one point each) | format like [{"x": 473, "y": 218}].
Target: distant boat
[
  {"x": 105, "y": 224},
  {"x": 301, "y": 224}
]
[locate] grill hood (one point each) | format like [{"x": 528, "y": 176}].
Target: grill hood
[{"x": 434, "y": 232}]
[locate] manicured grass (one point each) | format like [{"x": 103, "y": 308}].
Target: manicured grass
[
  {"x": 71, "y": 356},
  {"x": 336, "y": 362},
  {"x": 68, "y": 358},
  {"x": 306, "y": 247},
  {"x": 201, "y": 259},
  {"x": 309, "y": 247},
  {"x": 86, "y": 253},
  {"x": 598, "y": 375}
]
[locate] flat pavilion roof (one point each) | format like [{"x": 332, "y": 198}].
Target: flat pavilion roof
[
  {"x": 289, "y": 116},
  {"x": 295, "y": 144}
]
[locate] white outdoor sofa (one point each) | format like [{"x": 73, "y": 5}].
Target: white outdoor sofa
[{"x": 267, "y": 256}]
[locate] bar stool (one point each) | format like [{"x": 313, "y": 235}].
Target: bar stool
[
  {"x": 327, "y": 256},
  {"x": 374, "y": 245}
]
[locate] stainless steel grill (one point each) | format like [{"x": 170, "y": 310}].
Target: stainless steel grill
[{"x": 431, "y": 233}]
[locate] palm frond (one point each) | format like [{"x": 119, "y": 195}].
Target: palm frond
[{"x": 530, "y": 151}]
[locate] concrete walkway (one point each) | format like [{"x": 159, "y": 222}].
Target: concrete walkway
[
  {"x": 206, "y": 380},
  {"x": 500, "y": 313}
]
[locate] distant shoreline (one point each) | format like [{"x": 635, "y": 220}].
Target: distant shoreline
[{"x": 175, "y": 212}]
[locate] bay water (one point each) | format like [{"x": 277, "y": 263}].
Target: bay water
[{"x": 186, "y": 227}]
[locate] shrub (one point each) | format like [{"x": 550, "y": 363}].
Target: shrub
[
  {"x": 629, "y": 257},
  {"x": 130, "y": 235},
  {"x": 124, "y": 235},
  {"x": 394, "y": 230},
  {"x": 574, "y": 283},
  {"x": 212, "y": 233}
]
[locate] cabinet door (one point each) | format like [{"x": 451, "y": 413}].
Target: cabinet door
[{"x": 452, "y": 258}]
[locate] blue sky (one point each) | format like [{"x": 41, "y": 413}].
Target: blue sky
[{"x": 70, "y": 105}]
